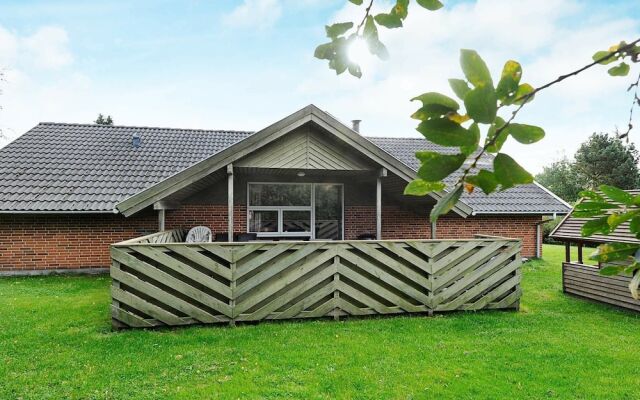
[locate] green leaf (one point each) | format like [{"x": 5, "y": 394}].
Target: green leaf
[
  {"x": 325, "y": 51},
  {"x": 370, "y": 35},
  {"x": 389, "y": 20},
  {"x": 356, "y": 2},
  {"x": 445, "y": 133},
  {"x": 595, "y": 225},
  {"x": 634, "y": 285},
  {"x": 611, "y": 270},
  {"x": 509, "y": 80},
  {"x": 594, "y": 205},
  {"x": 590, "y": 194},
  {"x": 619, "y": 70},
  {"x": 509, "y": 173},
  {"x": 420, "y": 187},
  {"x": 354, "y": 69},
  {"x": 634, "y": 226},
  {"x": 615, "y": 219},
  {"x": 430, "y": 98},
  {"x": 502, "y": 136},
  {"x": 370, "y": 30},
  {"x": 474, "y": 68},
  {"x": 446, "y": 203},
  {"x": 616, "y": 194},
  {"x": 614, "y": 251},
  {"x": 459, "y": 87},
  {"x": 523, "y": 90},
  {"x": 601, "y": 54},
  {"x": 525, "y": 134},
  {"x": 481, "y": 104},
  {"x": 435, "y": 105},
  {"x": 335, "y": 30},
  {"x": 431, "y": 5},
  {"x": 485, "y": 180},
  {"x": 378, "y": 48},
  {"x": 436, "y": 166},
  {"x": 401, "y": 9},
  {"x": 474, "y": 130}
]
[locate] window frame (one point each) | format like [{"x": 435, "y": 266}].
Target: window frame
[{"x": 311, "y": 209}]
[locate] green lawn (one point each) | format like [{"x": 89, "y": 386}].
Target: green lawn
[{"x": 56, "y": 342}]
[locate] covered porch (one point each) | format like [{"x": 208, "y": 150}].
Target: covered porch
[{"x": 295, "y": 204}]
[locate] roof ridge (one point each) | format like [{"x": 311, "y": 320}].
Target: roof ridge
[
  {"x": 142, "y": 127},
  {"x": 395, "y": 137}
]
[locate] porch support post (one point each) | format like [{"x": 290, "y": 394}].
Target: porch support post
[
  {"x": 433, "y": 230},
  {"x": 230, "y": 202},
  {"x": 382, "y": 174},
  {"x": 161, "y": 215},
  {"x": 579, "y": 253}
]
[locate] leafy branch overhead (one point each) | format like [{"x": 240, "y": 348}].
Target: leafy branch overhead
[
  {"x": 343, "y": 35},
  {"x": 442, "y": 121},
  {"x": 473, "y": 127}
]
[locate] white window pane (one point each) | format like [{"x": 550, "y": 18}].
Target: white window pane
[
  {"x": 279, "y": 195},
  {"x": 328, "y": 209},
  {"x": 296, "y": 221},
  {"x": 263, "y": 221}
]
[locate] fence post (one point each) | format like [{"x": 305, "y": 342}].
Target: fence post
[
  {"x": 232, "y": 286},
  {"x": 431, "y": 280},
  {"x": 336, "y": 293}
]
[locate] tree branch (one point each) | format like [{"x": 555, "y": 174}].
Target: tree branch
[
  {"x": 364, "y": 19},
  {"x": 635, "y": 101},
  {"x": 524, "y": 99}
]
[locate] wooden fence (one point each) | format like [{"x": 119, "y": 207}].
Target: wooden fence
[
  {"x": 586, "y": 281},
  {"x": 158, "y": 282}
]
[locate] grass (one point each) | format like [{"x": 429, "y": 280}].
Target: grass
[{"x": 56, "y": 342}]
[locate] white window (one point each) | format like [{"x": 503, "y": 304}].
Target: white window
[{"x": 292, "y": 209}]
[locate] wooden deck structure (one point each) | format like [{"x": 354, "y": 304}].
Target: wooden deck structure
[
  {"x": 580, "y": 279},
  {"x": 160, "y": 281},
  {"x": 586, "y": 281}
]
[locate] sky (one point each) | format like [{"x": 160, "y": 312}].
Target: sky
[{"x": 244, "y": 64}]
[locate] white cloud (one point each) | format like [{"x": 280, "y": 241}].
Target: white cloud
[
  {"x": 549, "y": 38},
  {"x": 31, "y": 86},
  {"x": 8, "y": 46},
  {"x": 48, "y": 47},
  {"x": 254, "y": 14}
]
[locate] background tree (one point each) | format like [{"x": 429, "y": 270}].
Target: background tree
[
  {"x": 560, "y": 177},
  {"x": 606, "y": 160},
  {"x": 102, "y": 120}
]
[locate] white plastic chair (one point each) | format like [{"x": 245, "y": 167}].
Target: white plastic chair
[{"x": 199, "y": 234}]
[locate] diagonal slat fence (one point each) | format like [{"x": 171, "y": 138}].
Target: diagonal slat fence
[{"x": 160, "y": 281}]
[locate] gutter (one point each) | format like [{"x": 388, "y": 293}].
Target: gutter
[{"x": 58, "y": 212}]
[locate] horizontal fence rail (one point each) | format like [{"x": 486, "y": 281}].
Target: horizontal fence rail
[
  {"x": 158, "y": 281},
  {"x": 586, "y": 281}
]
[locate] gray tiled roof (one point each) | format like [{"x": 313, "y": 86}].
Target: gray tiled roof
[
  {"x": 74, "y": 167},
  {"x": 521, "y": 199},
  {"x": 84, "y": 168}
]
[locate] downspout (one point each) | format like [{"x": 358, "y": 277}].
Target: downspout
[{"x": 539, "y": 234}]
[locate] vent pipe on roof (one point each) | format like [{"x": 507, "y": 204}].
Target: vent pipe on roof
[
  {"x": 355, "y": 125},
  {"x": 136, "y": 140}
]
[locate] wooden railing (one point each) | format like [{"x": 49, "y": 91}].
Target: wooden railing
[
  {"x": 586, "y": 281},
  {"x": 159, "y": 282}
]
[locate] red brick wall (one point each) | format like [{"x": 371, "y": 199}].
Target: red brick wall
[
  {"x": 213, "y": 216},
  {"x": 514, "y": 226},
  {"x": 398, "y": 223},
  {"x": 30, "y": 242}
]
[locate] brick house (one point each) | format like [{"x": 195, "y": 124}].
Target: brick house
[{"x": 67, "y": 191}]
